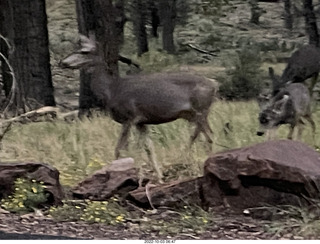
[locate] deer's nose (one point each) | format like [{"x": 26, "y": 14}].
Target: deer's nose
[{"x": 260, "y": 133}]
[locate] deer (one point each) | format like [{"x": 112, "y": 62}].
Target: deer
[
  {"x": 303, "y": 64},
  {"x": 289, "y": 106},
  {"x": 140, "y": 100}
]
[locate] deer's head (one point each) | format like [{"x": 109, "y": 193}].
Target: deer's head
[{"x": 86, "y": 56}]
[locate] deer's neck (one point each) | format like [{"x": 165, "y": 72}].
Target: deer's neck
[{"x": 103, "y": 85}]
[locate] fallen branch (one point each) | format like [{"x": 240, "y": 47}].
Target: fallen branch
[
  {"x": 128, "y": 61},
  {"x": 203, "y": 51},
  {"x": 43, "y": 114}
]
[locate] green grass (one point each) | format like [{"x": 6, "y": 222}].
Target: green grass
[
  {"x": 78, "y": 149},
  {"x": 295, "y": 222}
]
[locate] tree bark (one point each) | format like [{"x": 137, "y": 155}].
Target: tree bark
[
  {"x": 102, "y": 19},
  {"x": 4, "y": 48},
  {"x": 168, "y": 15},
  {"x": 155, "y": 20},
  {"x": 311, "y": 23},
  {"x": 288, "y": 18},
  {"x": 256, "y": 12},
  {"x": 139, "y": 25},
  {"x": 25, "y": 25}
]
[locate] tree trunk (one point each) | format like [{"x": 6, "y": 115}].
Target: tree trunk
[
  {"x": 288, "y": 18},
  {"x": 155, "y": 20},
  {"x": 256, "y": 12},
  {"x": 139, "y": 25},
  {"x": 4, "y": 48},
  {"x": 99, "y": 18},
  {"x": 311, "y": 23},
  {"x": 121, "y": 19},
  {"x": 168, "y": 14},
  {"x": 25, "y": 24}
]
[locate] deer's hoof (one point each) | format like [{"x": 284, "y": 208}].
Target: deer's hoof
[{"x": 260, "y": 133}]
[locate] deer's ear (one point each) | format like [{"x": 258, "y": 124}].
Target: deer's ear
[
  {"x": 87, "y": 44},
  {"x": 271, "y": 72},
  {"x": 279, "y": 105}
]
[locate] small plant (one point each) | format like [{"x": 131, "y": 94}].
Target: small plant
[
  {"x": 243, "y": 80},
  {"x": 107, "y": 212},
  {"x": 69, "y": 211},
  {"x": 290, "y": 220},
  {"x": 94, "y": 165},
  {"x": 27, "y": 196},
  {"x": 154, "y": 61},
  {"x": 189, "y": 219}
]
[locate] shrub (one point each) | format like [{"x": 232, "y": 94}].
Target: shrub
[
  {"x": 154, "y": 61},
  {"x": 108, "y": 212},
  {"x": 27, "y": 196},
  {"x": 243, "y": 81}
]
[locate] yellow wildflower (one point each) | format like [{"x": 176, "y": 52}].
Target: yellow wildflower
[
  {"x": 120, "y": 218},
  {"x": 204, "y": 220}
]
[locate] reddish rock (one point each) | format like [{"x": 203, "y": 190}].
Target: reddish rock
[
  {"x": 118, "y": 178},
  {"x": 273, "y": 172}
]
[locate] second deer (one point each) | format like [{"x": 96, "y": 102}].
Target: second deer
[
  {"x": 290, "y": 105},
  {"x": 303, "y": 64}
]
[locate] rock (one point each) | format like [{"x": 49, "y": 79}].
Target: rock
[
  {"x": 118, "y": 178},
  {"x": 9, "y": 172},
  {"x": 173, "y": 194},
  {"x": 273, "y": 172}
]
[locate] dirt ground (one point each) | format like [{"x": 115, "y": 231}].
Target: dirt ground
[{"x": 227, "y": 226}]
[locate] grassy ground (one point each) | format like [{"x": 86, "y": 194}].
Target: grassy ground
[{"x": 78, "y": 149}]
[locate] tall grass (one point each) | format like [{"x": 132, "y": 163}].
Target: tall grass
[{"x": 78, "y": 149}]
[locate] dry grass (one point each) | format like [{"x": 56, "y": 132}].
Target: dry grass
[{"x": 80, "y": 148}]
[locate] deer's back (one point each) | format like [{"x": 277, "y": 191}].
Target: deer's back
[
  {"x": 170, "y": 87},
  {"x": 160, "y": 98},
  {"x": 303, "y": 64}
]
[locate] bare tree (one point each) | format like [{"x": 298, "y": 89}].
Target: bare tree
[
  {"x": 154, "y": 16},
  {"x": 24, "y": 24},
  {"x": 256, "y": 12},
  {"x": 288, "y": 17},
  {"x": 139, "y": 12},
  {"x": 168, "y": 15},
  {"x": 105, "y": 20},
  {"x": 311, "y": 23}
]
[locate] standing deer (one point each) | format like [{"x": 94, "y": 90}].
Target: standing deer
[
  {"x": 289, "y": 106},
  {"x": 303, "y": 64},
  {"x": 139, "y": 100}
]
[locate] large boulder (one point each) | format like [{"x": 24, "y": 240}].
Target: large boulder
[
  {"x": 273, "y": 172},
  {"x": 9, "y": 172},
  {"x": 118, "y": 178}
]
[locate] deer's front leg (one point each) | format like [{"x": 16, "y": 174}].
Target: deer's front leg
[{"x": 123, "y": 140}]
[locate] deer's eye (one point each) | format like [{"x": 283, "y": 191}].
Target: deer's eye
[{"x": 263, "y": 119}]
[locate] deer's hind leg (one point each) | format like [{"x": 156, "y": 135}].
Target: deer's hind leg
[
  {"x": 203, "y": 126},
  {"x": 292, "y": 126},
  {"x": 314, "y": 81},
  {"x": 313, "y": 126},
  {"x": 149, "y": 148}
]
